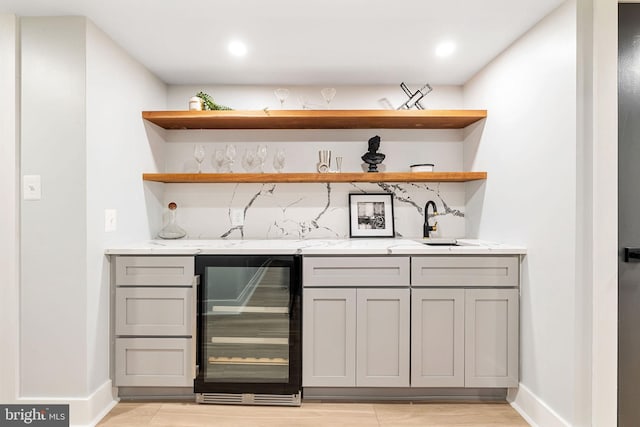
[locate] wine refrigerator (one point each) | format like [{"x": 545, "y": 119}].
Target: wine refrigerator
[{"x": 249, "y": 329}]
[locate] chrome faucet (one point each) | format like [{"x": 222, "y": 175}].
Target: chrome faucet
[{"x": 427, "y": 228}]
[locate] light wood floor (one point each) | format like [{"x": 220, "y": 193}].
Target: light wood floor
[{"x": 314, "y": 414}]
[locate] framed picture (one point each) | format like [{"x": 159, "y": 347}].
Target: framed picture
[{"x": 371, "y": 215}]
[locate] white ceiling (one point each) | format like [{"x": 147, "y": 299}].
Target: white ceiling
[{"x": 305, "y": 41}]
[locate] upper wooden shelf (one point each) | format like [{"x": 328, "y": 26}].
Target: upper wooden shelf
[
  {"x": 315, "y": 119},
  {"x": 315, "y": 177}
]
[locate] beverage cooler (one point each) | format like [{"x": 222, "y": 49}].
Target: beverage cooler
[{"x": 249, "y": 329}]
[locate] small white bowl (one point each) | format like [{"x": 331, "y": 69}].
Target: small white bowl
[{"x": 422, "y": 167}]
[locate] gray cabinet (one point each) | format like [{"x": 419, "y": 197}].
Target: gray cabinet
[
  {"x": 465, "y": 321},
  {"x": 350, "y": 271},
  {"x": 154, "y": 321},
  {"x": 455, "y": 326},
  {"x": 437, "y": 337},
  {"x": 154, "y": 311},
  {"x": 355, "y": 337},
  {"x": 154, "y": 271},
  {"x": 355, "y": 322},
  {"x": 465, "y": 271},
  {"x": 328, "y": 343},
  {"x": 154, "y": 362},
  {"x": 491, "y": 338},
  {"x": 382, "y": 338}
]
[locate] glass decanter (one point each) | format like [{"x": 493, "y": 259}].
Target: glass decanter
[{"x": 172, "y": 230}]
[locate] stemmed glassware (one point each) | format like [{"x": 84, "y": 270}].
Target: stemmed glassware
[
  {"x": 282, "y": 94},
  {"x": 229, "y": 154},
  {"x": 328, "y": 93},
  {"x": 261, "y": 153},
  {"x": 249, "y": 160},
  {"x": 278, "y": 160},
  {"x": 198, "y": 154},
  {"x": 220, "y": 160}
]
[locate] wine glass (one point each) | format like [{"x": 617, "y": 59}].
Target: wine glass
[
  {"x": 230, "y": 154},
  {"x": 328, "y": 93},
  {"x": 278, "y": 160},
  {"x": 281, "y": 94},
  {"x": 219, "y": 160},
  {"x": 198, "y": 154},
  {"x": 249, "y": 160},
  {"x": 261, "y": 154}
]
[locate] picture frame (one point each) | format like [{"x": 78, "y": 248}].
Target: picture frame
[{"x": 371, "y": 215}]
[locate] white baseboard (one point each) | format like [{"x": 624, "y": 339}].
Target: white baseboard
[
  {"x": 83, "y": 412},
  {"x": 533, "y": 409}
]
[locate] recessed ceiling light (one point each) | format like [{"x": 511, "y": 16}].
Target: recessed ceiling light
[
  {"x": 445, "y": 48},
  {"x": 237, "y": 48}
]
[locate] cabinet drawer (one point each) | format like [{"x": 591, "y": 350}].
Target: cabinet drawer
[
  {"x": 355, "y": 271},
  {"x": 154, "y": 271},
  {"x": 154, "y": 362},
  {"x": 154, "y": 311},
  {"x": 441, "y": 271}
]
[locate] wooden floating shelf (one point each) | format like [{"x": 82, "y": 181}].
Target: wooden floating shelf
[
  {"x": 314, "y": 177},
  {"x": 315, "y": 119}
]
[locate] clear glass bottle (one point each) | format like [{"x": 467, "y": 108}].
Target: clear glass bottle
[{"x": 172, "y": 230}]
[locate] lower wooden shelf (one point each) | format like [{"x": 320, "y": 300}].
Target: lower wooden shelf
[{"x": 315, "y": 177}]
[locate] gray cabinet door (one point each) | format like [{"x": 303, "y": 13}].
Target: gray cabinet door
[
  {"x": 491, "y": 338},
  {"x": 437, "y": 337},
  {"x": 382, "y": 337},
  {"x": 329, "y": 342}
]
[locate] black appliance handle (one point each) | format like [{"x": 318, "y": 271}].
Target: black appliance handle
[
  {"x": 631, "y": 254},
  {"x": 194, "y": 326}
]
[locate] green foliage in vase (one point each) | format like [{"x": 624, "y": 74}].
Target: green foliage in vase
[{"x": 209, "y": 104}]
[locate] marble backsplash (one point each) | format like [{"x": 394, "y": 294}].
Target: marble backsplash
[
  {"x": 307, "y": 211},
  {"x": 310, "y": 210}
]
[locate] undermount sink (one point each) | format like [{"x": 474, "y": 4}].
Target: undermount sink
[
  {"x": 444, "y": 241},
  {"x": 439, "y": 242}
]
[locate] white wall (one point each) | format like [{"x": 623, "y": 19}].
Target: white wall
[
  {"x": 584, "y": 216},
  {"x": 253, "y": 97},
  {"x": 9, "y": 214},
  {"x": 53, "y": 307},
  {"x": 528, "y": 147},
  {"x": 90, "y": 150},
  {"x": 605, "y": 212},
  {"x": 118, "y": 151}
]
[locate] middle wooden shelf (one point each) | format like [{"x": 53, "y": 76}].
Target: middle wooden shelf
[{"x": 315, "y": 177}]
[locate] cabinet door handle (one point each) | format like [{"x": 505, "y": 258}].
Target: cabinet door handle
[{"x": 631, "y": 254}]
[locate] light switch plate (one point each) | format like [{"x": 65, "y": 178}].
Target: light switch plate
[
  {"x": 237, "y": 217},
  {"x": 110, "y": 220},
  {"x": 31, "y": 187}
]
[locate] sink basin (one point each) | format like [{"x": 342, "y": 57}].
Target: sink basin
[
  {"x": 448, "y": 241},
  {"x": 439, "y": 242}
]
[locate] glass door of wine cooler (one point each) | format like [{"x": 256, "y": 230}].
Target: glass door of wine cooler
[{"x": 249, "y": 324}]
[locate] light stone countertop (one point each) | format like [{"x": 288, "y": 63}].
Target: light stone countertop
[{"x": 368, "y": 246}]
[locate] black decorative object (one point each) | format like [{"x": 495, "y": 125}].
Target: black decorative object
[
  {"x": 415, "y": 97},
  {"x": 372, "y": 157},
  {"x": 371, "y": 215}
]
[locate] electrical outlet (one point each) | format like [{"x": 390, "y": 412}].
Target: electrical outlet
[
  {"x": 237, "y": 217},
  {"x": 110, "y": 220},
  {"x": 31, "y": 188}
]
